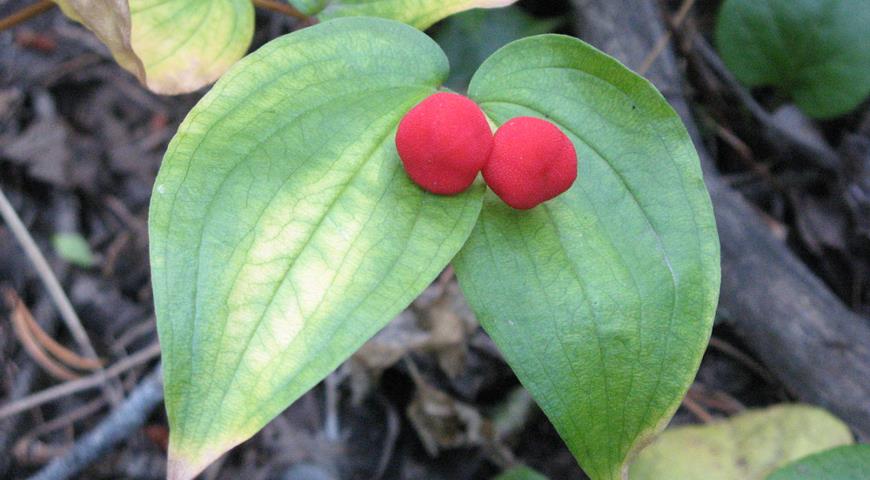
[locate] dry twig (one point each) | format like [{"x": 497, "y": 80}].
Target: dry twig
[
  {"x": 19, "y": 317},
  {"x": 697, "y": 410},
  {"x": 125, "y": 420},
  {"x": 29, "y": 448},
  {"x": 747, "y": 361},
  {"x": 65, "y": 355},
  {"x": 84, "y": 383},
  {"x": 665, "y": 38},
  {"x": 25, "y": 14},
  {"x": 47, "y": 276},
  {"x": 20, "y": 387}
]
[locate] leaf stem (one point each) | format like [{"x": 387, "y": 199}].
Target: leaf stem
[
  {"x": 25, "y": 14},
  {"x": 280, "y": 7}
]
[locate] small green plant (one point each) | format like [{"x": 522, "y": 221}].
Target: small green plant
[
  {"x": 73, "y": 248},
  {"x": 812, "y": 50},
  {"x": 285, "y": 233}
]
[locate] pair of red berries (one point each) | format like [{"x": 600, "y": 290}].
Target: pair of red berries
[{"x": 446, "y": 140}]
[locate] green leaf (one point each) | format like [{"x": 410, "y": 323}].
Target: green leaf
[
  {"x": 470, "y": 37},
  {"x": 110, "y": 22},
  {"x": 748, "y": 446},
  {"x": 73, "y": 248},
  {"x": 602, "y": 299},
  {"x": 418, "y": 13},
  {"x": 187, "y": 44},
  {"x": 520, "y": 473},
  {"x": 284, "y": 232},
  {"x": 814, "y": 50},
  {"x": 309, "y": 7},
  {"x": 843, "y": 463}
]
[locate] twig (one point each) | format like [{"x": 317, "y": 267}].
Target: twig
[
  {"x": 126, "y": 419},
  {"x": 697, "y": 410},
  {"x": 739, "y": 146},
  {"x": 744, "y": 153},
  {"x": 84, "y": 383},
  {"x": 824, "y": 157},
  {"x": 117, "y": 207},
  {"x": 393, "y": 428},
  {"x": 47, "y": 276},
  {"x": 55, "y": 291},
  {"x": 18, "y": 317},
  {"x": 747, "y": 361},
  {"x": 716, "y": 399},
  {"x": 20, "y": 387},
  {"x": 665, "y": 38},
  {"x": 132, "y": 334},
  {"x": 25, "y": 14},
  {"x": 65, "y": 355},
  {"x": 113, "y": 251},
  {"x": 29, "y": 448},
  {"x": 279, "y": 7}
]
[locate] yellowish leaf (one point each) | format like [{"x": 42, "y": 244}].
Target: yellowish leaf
[
  {"x": 748, "y": 446},
  {"x": 110, "y": 22}
]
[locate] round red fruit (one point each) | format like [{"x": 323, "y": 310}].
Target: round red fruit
[
  {"x": 532, "y": 161},
  {"x": 443, "y": 142}
]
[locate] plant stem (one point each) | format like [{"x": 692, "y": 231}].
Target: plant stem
[{"x": 26, "y": 13}]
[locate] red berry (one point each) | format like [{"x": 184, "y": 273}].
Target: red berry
[
  {"x": 443, "y": 142},
  {"x": 531, "y": 162}
]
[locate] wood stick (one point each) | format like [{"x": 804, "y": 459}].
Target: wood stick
[
  {"x": 24, "y": 379},
  {"x": 47, "y": 276},
  {"x": 55, "y": 291},
  {"x": 92, "y": 381},
  {"x": 28, "y": 342},
  {"x": 665, "y": 39},
  {"x": 25, "y": 14},
  {"x": 119, "y": 425}
]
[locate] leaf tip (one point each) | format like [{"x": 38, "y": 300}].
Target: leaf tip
[
  {"x": 181, "y": 469},
  {"x": 186, "y": 466},
  {"x": 189, "y": 456}
]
